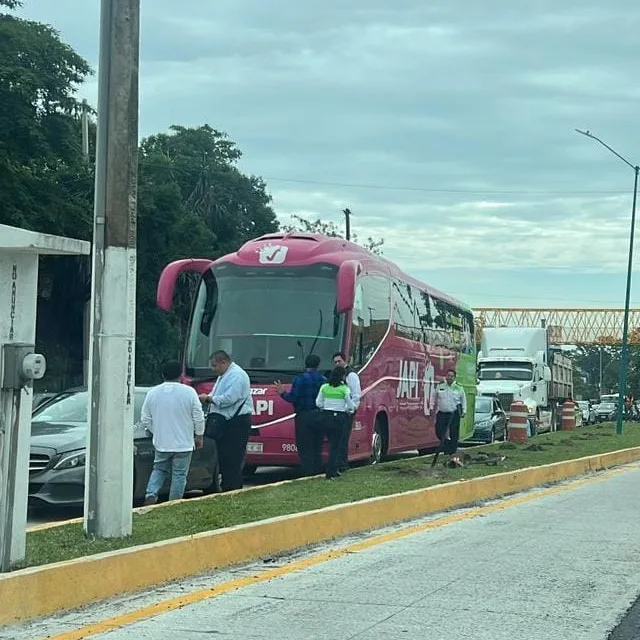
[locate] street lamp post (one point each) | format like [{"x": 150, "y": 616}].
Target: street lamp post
[{"x": 624, "y": 356}]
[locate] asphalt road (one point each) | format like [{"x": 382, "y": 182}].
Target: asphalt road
[{"x": 559, "y": 563}]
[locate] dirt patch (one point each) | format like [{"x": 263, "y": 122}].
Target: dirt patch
[
  {"x": 491, "y": 459},
  {"x": 593, "y": 436}
]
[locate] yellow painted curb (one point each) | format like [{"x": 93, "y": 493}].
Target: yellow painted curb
[{"x": 41, "y": 591}]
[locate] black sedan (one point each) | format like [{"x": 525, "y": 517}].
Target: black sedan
[
  {"x": 59, "y": 430},
  {"x": 490, "y": 421}
]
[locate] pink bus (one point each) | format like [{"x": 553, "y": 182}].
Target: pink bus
[{"x": 284, "y": 296}]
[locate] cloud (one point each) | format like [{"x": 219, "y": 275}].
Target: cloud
[{"x": 467, "y": 109}]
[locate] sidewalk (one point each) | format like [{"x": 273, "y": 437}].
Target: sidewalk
[{"x": 558, "y": 564}]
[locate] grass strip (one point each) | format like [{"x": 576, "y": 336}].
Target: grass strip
[{"x": 187, "y": 518}]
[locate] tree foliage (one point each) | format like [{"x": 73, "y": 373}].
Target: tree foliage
[
  {"x": 300, "y": 224},
  {"x": 193, "y": 201}
]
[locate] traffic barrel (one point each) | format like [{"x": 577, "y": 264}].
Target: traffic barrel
[
  {"x": 568, "y": 422},
  {"x": 518, "y": 422}
]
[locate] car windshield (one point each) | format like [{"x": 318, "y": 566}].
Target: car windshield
[
  {"x": 583, "y": 405},
  {"x": 483, "y": 405},
  {"x": 71, "y": 408},
  {"x": 607, "y": 405}
]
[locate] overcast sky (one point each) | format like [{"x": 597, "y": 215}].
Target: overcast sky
[{"x": 446, "y": 126}]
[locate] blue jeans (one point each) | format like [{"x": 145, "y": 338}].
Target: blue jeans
[{"x": 174, "y": 463}]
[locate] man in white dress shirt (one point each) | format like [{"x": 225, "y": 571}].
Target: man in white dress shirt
[
  {"x": 173, "y": 414},
  {"x": 231, "y": 400},
  {"x": 353, "y": 382}
]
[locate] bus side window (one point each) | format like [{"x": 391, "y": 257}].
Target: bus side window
[{"x": 371, "y": 324}]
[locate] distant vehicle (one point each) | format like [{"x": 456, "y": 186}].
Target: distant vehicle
[
  {"x": 490, "y": 421},
  {"x": 518, "y": 364},
  {"x": 588, "y": 412},
  {"x": 281, "y": 297},
  {"x": 606, "y": 411},
  {"x": 58, "y": 445}
]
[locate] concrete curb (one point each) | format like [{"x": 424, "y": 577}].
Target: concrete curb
[{"x": 41, "y": 591}]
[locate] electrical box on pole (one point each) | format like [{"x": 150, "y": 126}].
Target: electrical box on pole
[{"x": 20, "y": 366}]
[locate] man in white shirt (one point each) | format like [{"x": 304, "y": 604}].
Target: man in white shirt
[
  {"x": 173, "y": 414},
  {"x": 353, "y": 382},
  {"x": 451, "y": 403},
  {"x": 230, "y": 398}
]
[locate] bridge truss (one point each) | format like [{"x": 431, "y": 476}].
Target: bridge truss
[{"x": 566, "y": 326}]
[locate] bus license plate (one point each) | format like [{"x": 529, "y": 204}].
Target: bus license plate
[{"x": 254, "y": 447}]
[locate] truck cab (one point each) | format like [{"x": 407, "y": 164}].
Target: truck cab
[{"x": 516, "y": 364}]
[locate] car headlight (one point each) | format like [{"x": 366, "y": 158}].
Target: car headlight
[
  {"x": 71, "y": 460},
  {"x": 483, "y": 424}
]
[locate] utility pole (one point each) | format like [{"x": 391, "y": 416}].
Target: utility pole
[
  {"x": 86, "y": 318},
  {"x": 622, "y": 380},
  {"x": 347, "y": 215},
  {"x": 600, "y": 372},
  {"x": 84, "y": 120},
  {"x": 109, "y": 468}
]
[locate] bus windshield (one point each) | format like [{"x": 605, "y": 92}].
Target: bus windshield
[
  {"x": 268, "y": 319},
  {"x": 506, "y": 371}
]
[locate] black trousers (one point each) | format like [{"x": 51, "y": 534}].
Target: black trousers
[
  {"x": 448, "y": 422},
  {"x": 331, "y": 424},
  {"x": 232, "y": 448},
  {"x": 343, "y": 453},
  {"x": 304, "y": 425}
]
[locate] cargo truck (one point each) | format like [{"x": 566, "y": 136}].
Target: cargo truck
[{"x": 518, "y": 364}]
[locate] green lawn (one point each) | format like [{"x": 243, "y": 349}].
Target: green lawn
[{"x": 68, "y": 541}]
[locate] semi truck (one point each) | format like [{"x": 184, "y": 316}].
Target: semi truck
[{"x": 518, "y": 364}]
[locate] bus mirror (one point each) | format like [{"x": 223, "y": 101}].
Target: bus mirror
[
  {"x": 169, "y": 278},
  {"x": 347, "y": 276}
]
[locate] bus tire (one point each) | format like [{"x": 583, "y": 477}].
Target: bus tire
[{"x": 380, "y": 440}]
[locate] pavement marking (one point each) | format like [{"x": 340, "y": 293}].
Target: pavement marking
[{"x": 165, "y": 606}]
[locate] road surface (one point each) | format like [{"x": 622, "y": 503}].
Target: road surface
[{"x": 555, "y": 563}]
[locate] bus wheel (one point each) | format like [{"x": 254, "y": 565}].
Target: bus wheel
[
  {"x": 249, "y": 470},
  {"x": 379, "y": 441}
]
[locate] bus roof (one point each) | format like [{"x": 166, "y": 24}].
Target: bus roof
[{"x": 300, "y": 249}]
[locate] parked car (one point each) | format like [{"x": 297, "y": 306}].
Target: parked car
[
  {"x": 588, "y": 412},
  {"x": 605, "y": 411},
  {"x": 59, "y": 430},
  {"x": 41, "y": 398},
  {"x": 490, "y": 421}
]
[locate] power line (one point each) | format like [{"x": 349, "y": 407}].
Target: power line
[{"x": 356, "y": 185}]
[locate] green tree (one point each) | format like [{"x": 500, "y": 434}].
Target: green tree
[
  {"x": 192, "y": 198},
  {"x": 193, "y": 202},
  {"x": 44, "y": 181},
  {"x": 301, "y": 224}
]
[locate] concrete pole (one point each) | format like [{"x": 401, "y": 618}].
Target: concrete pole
[
  {"x": 84, "y": 119},
  {"x": 18, "y": 293},
  {"x": 109, "y": 473},
  {"x": 86, "y": 319}
]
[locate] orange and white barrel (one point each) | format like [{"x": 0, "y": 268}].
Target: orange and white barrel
[
  {"x": 568, "y": 422},
  {"x": 518, "y": 422}
]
